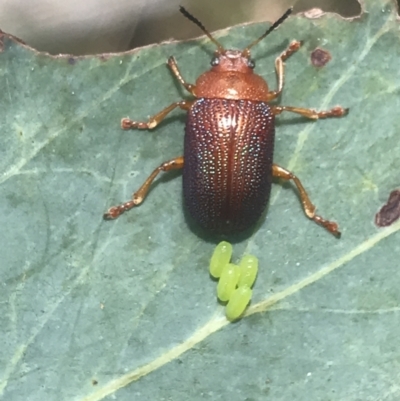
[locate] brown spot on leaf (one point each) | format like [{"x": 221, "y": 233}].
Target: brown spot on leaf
[
  {"x": 390, "y": 212},
  {"x": 320, "y": 57},
  {"x": 94, "y": 382}
]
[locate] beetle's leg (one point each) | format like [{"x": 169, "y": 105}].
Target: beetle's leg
[
  {"x": 153, "y": 121},
  {"x": 337, "y": 111},
  {"x": 279, "y": 68},
  {"x": 138, "y": 196},
  {"x": 308, "y": 207},
  {"x": 173, "y": 65}
]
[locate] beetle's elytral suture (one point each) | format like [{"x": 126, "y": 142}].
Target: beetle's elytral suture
[{"x": 229, "y": 140}]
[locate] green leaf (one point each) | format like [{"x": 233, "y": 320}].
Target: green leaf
[{"x": 94, "y": 310}]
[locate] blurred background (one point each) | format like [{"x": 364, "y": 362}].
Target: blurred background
[{"x": 100, "y": 26}]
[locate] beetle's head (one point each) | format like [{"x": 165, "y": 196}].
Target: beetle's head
[{"x": 233, "y": 60}]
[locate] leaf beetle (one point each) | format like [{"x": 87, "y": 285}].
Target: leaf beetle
[{"x": 229, "y": 140}]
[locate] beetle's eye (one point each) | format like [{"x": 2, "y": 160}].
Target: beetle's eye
[
  {"x": 251, "y": 63},
  {"x": 214, "y": 61}
]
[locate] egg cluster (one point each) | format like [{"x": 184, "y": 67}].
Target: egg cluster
[{"x": 235, "y": 281}]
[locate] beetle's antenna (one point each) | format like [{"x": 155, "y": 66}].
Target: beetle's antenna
[
  {"x": 246, "y": 51},
  {"x": 202, "y": 27}
]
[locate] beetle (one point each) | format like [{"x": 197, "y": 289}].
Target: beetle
[{"x": 229, "y": 140}]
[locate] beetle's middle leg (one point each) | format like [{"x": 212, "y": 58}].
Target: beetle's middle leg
[
  {"x": 308, "y": 207},
  {"x": 280, "y": 68},
  {"x": 153, "y": 121},
  {"x": 337, "y": 111},
  {"x": 138, "y": 197}
]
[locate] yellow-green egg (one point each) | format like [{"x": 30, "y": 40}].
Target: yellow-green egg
[
  {"x": 220, "y": 258},
  {"x": 238, "y": 302},
  {"x": 228, "y": 281},
  {"x": 248, "y": 270}
]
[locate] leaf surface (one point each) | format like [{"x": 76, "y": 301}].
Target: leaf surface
[{"x": 126, "y": 310}]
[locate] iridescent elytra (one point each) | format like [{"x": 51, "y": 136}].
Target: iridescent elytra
[{"x": 229, "y": 140}]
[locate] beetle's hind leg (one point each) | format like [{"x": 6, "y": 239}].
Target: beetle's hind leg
[
  {"x": 138, "y": 197},
  {"x": 308, "y": 207},
  {"x": 337, "y": 111},
  {"x": 153, "y": 121}
]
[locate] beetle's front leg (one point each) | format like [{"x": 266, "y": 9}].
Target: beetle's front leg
[
  {"x": 140, "y": 194},
  {"x": 173, "y": 65},
  {"x": 153, "y": 121},
  {"x": 337, "y": 111},
  {"x": 279, "y": 68},
  {"x": 308, "y": 207}
]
